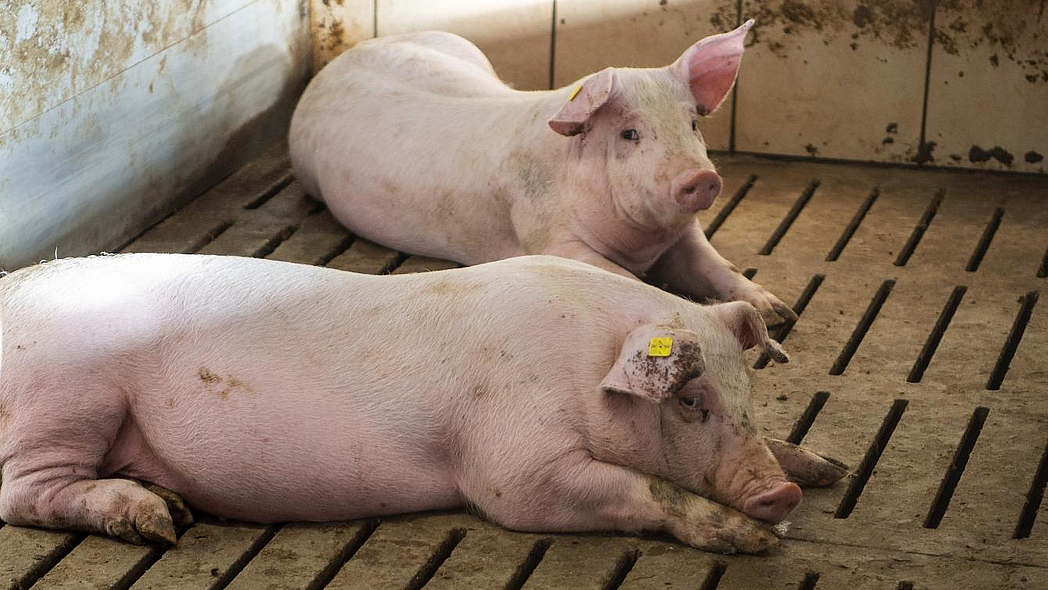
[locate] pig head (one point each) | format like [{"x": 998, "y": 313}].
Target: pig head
[{"x": 686, "y": 396}]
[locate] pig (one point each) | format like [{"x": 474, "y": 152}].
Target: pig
[
  {"x": 549, "y": 394},
  {"x": 414, "y": 142}
]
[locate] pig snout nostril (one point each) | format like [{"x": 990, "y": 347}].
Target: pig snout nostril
[
  {"x": 689, "y": 189},
  {"x": 775, "y": 504}
]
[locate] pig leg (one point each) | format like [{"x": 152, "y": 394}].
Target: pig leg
[
  {"x": 587, "y": 495},
  {"x": 180, "y": 512},
  {"x": 691, "y": 266},
  {"x": 804, "y": 467},
  {"x": 51, "y": 456},
  {"x": 59, "y": 496}
]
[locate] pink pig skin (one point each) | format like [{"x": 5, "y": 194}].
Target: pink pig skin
[
  {"x": 415, "y": 143},
  {"x": 267, "y": 391}
]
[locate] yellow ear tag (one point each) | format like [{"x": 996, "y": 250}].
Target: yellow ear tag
[
  {"x": 575, "y": 92},
  {"x": 660, "y": 346}
]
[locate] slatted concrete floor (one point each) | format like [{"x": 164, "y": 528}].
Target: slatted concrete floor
[{"x": 919, "y": 358}]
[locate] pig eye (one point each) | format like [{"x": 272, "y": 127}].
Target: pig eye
[
  {"x": 630, "y": 134},
  {"x": 694, "y": 125},
  {"x": 689, "y": 402}
]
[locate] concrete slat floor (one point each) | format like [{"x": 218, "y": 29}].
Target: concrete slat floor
[{"x": 919, "y": 358}]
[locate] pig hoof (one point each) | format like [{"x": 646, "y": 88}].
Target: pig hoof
[
  {"x": 180, "y": 513},
  {"x": 830, "y": 473},
  {"x": 122, "y": 528},
  {"x": 143, "y": 522},
  {"x": 157, "y": 527}
]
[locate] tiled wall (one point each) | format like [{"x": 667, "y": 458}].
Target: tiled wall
[
  {"x": 958, "y": 83},
  {"x": 113, "y": 112}
]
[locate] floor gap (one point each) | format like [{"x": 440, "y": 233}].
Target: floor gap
[
  {"x": 1015, "y": 335},
  {"x": 783, "y": 331},
  {"x": 918, "y": 231},
  {"x": 728, "y": 207},
  {"x": 791, "y": 216},
  {"x": 862, "y": 327},
  {"x": 869, "y": 462},
  {"x": 853, "y": 225},
  {"x": 932, "y": 343},
  {"x": 956, "y": 468}
]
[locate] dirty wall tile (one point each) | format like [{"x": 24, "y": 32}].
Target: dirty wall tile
[
  {"x": 150, "y": 138},
  {"x": 337, "y": 25},
  {"x": 52, "y": 51},
  {"x": 515, "y": 35},
  {"x": 833, "y": 79},
  {"x": 640, "y": 33},
  {"x": 988, "y": 92}
]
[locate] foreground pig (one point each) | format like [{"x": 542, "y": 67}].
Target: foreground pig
[
  {"x": 267, "y": 391},
  {"x": 414, "y": 143}
]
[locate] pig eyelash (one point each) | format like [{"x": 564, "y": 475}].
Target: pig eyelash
[{"x": 630, "y": 134}]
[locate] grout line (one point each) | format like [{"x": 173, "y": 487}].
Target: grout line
[
  {"x": 918, "y": 231},
  {"x": 869, "y": 461},
  {"x": 853, "y": 225},
  {"x": 553, "y": 46},
  {"x": 1015, "y": 336},
  {"x": 728, "y": 207},
  {"x": 735, "y": 90},
  {"x": 956, "y": 469},
  {"x": 935, "y": 336},
  {"x": 984, "y": 240},
  {"x": 879, "y": 165},
  {"x": 791, "y": 216},
  {"x": 923, "y": 147}
]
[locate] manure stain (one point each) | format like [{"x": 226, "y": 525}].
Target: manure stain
[{"x": 978, "y": 155}]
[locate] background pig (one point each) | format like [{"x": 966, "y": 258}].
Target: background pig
[
  {"x": 415, "y": 143},
  {"x": 268, "y": 391}
]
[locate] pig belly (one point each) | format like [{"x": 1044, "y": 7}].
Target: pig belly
[{"x": 281, "y": 458}]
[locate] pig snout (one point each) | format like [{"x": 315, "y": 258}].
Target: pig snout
[
  {"x": 773, "y": 504},
  {"x": 695, "y": 190}
]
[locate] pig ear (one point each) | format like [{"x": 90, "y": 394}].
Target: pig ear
[
  {"x": 584, "y": 100},
  {"x": 709, "y": 67},
  {"x": 655, "y": 362},
  {"x": 746, "y": 322}
]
